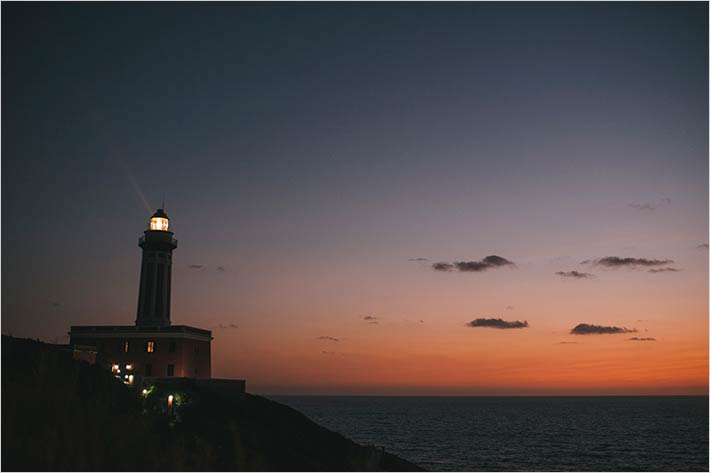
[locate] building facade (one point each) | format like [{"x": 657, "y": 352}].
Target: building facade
[{"x": 153, "y": 347}]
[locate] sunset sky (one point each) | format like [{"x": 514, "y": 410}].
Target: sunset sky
[{"x": 319, "y": 160}]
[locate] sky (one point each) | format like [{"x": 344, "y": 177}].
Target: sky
[{"x": 371, "y": 198}]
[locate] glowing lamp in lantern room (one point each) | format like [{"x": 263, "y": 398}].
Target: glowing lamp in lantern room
[{"x": 159, "y": 221}]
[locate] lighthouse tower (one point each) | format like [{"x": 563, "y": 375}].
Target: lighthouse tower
[
  {"x": 154, "y": 292},
  {"x": 153, "y": 347}
]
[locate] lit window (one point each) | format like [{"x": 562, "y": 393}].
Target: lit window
[
  {"x": 170, "y": 401},
  {"x": 159, "y": 223},
  {"x": 125, "y": 346},
  {"x": 151, "y": 347},
  {"x": 130, "y": 379},
  {"x": 115, "y": 369}
]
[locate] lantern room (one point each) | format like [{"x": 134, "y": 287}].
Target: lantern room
[{"x": 159, "y": 221}]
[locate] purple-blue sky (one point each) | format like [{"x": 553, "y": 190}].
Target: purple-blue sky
[{"x": 311, "y": 150}]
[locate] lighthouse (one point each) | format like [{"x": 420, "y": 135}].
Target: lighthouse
[
  {"x": 157, "y": 244},
  {"x": 153, "y": 347}
]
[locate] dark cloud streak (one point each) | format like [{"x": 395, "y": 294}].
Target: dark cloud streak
[
  {"x": 489, "y": 262},
  {"x": 591, "y": 329},
  {"x": 332, "y": 339},
  {"x": 497, "y": 323},
  {"x": 574, "y": 274},
  {"x": 663, "y": 270},
  {"x": 619, "y": 262}
]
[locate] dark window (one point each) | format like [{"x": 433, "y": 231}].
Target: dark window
[
  {"x": 149, "y": 370},
  {"x": 171, "y": 370},
  {"x": 172, "y": 347},
  {"x": 197, "y": 348}
]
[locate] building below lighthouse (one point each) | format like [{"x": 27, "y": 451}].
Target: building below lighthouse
[{"x": 153, "y": 347}]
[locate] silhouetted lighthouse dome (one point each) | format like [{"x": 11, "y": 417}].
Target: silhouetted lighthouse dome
[{"x": 159, "y": 221}]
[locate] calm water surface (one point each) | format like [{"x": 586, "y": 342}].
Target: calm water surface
[{"x": 524, "y": 433}]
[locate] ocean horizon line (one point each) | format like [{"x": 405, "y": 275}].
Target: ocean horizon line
[{"x": 482, "y": 396}]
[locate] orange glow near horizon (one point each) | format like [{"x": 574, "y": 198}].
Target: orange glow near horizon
[{"x": 431, "y": 350}]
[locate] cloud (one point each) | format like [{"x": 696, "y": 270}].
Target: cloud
[
  {"x": 704, "y": 246},
  {"x": 442, "y": 266},
  {"x": 568, "y": 343},
  {"x": 196, "y": 266},
  {"x": 220, "y": 269},
  {"x": 324, "y": 337},
  {"x": 328, "y": 352},
  {"x": 509, "y": 307},
  {"x": 228, "y": 326},
  {"x": 590, "y": 329},
  {"x": 489, "y": 262},
  {"x": 371, "y": 319},
  {"x": 574, "y": 274},
  {"x": 641, "y": 339},
  {"x": 663, "y": 270},
  {"x": 647, "y": 206},
  {"x": 497, "y": 323},
  {"x": 618, "y": 262},
  {"x": 418, "y": 259}
]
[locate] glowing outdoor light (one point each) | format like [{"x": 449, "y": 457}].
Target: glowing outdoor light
[
  {"x": 145, "y": 391},
  {"x": 129, "y": 367},
  {"x": 115, "y": 369},
  {"x": 130, "y": 379},
  {"x": 170, "y": 401},
  {"x": 159, "y": 221}
]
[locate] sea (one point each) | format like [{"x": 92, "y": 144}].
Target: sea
[{"x": 655, "y": 433}]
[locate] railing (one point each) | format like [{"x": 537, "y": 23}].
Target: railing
[{"x": 141, "y": 240}]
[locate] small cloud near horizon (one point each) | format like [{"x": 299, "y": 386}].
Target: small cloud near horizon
[
  {"x": 704, "y": 246},
  {"x": 647, "y": 206},
  {"x": 325, "y": 337},
  {"x": 591, "y": 329},
  {"x": 196, "y": 266},
  {"x": 641, "y": 339},
  {"x": 497, "y": 323},
  {"x": 418, "y": 259},
  {"x": 371, "y": 319},
  {"x": 663, "y": 270},
  {"x": 489, "y": 262},
  {"x": 442, "y": 266},
  {"x": 228, "y": 326},
  {"x": 574, "y": 275},
  {"x": 619, "y": 262}
]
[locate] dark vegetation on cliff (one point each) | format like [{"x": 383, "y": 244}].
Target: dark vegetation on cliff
[{"x": 62, "y": 414}]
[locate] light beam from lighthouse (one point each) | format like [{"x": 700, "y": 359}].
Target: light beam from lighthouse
[{"x": 157, "y": 244}]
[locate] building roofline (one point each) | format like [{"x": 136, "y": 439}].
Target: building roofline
[{"x": 136, "y": 331}]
